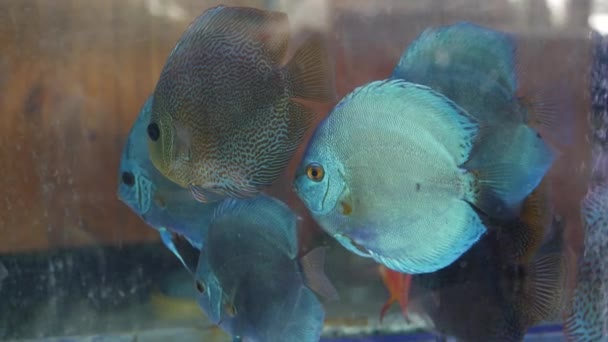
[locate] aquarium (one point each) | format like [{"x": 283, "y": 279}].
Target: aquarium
[{"x": 277, "y": 170}]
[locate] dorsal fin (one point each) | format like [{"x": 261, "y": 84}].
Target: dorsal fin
[
  {"x": 271, "y": 28},
  {"x": 313, "y": 264}
]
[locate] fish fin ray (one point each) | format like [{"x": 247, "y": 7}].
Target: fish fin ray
[
  {"x": 505, "y": 176},
  {"x": 387, "y": 305},
  {"x": 404, "y": 296},
  {"x": 548, "y": 275},
  {"x": 553, "y": 115},
  {"x": 204, "y": 195},
  {"x": 545, "y": 288},
  {"x": 311, "y": 72},
  {"x": 313, "y": 264}
]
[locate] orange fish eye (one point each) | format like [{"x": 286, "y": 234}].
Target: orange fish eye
[
  {"x": 200, "y": 287},
  {"x": 315, "y": 172}
]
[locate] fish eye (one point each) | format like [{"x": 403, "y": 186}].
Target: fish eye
[
  {"x": 200, "y": 287},
  {"x": 315, "y": 172},
  {"x": 128, "y": 178},
  {"x": 153, "y": 131}
]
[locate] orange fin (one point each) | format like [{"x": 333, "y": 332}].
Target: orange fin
[
  {"x": 398, "y": 285},
  {"x": 404, "y": 297}
]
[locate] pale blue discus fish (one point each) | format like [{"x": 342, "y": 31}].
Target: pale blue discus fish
[
  {"x": 162, "y": 204},
  {"x": 387, "y": 175},
  {"x": 249, "y": 278}
]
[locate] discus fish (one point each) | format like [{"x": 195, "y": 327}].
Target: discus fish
[
  {"x": 387, "y": 174},
  {"x": 250, "y": 280},
  {"x": 476, "y": 67},
  {"x": 587, "y": 316},
  {"x": 162, "y": 204},
  {"x": 484, "y": 296},
  {"x": 224, "y": 121}
]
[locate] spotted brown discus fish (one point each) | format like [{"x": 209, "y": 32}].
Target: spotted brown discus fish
[{"x": 224, "y": 121}]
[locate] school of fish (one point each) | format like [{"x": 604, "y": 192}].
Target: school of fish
[{"x": 437, "y": 166}]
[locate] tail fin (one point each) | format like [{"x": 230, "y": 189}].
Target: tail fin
[
  {"x": 312, "y": 267},
  {"x": 311, "y": 72},
  {"x": 508, "y": 163},
  {"x": 545, "y": 288}
]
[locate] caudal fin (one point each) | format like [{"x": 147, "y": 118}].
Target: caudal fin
[
  {"x": 508, "y": 163},
  {"x": 313, "y": 268},
  {"x": 545, "y": 288},
  {"x": 311, "y": 73}
]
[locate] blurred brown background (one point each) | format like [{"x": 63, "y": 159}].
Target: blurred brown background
[{"x": 74, "y": 73}]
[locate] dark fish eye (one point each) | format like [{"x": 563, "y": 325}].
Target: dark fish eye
[
  {"x": 200, "y": 287},
  {"x": 128, "y": 178},
  {"x": 153, "y": 131},
  {"x": 315, "y": 172}
]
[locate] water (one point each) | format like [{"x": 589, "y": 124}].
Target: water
[{"x": 74, "y": 261}]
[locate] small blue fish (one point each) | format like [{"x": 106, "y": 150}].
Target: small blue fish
[
  {"x": 387, "y": 174},
  {"x": 161, "y": 203},
  {"x": 250, "y": 280}
]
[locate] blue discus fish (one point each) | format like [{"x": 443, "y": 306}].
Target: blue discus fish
[
  {"x": 161, "y": 203},
  {"x": 387, "y": 174},
  {"x": 476, "y": 67},
  {"x": 249, "y": 279},
  {"x": 469, "y": 64}
]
